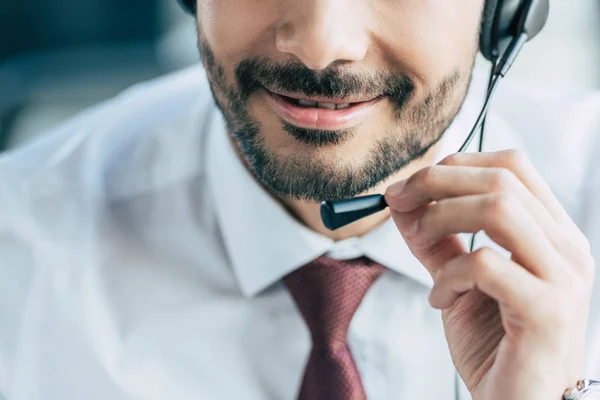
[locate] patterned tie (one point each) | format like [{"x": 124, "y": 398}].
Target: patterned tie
[{"x": 328, "y": 293}]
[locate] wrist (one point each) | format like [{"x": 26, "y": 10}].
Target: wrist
[{"x": 534, "y": 380}]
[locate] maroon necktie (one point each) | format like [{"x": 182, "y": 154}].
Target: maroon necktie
[{"x": 328, "y": 293}]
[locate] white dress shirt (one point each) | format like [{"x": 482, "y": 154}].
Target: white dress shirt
[{"x": 140, "y": 260}]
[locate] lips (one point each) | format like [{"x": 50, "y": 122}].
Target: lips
[{"x": 320, "y": 113}]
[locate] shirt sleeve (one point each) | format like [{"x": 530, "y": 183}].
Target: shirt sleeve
[{"x": 16, "y": 269}]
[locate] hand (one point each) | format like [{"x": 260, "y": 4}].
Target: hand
[{"x": 515, "y": 326}]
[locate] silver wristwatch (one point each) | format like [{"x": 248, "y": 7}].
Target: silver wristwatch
[{"x": 585, "y": 389}]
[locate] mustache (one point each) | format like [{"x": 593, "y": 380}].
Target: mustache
[{"x": 293, "y": 76}]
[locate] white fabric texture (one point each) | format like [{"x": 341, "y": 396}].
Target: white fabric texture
[{"x": 140, "y": 260}]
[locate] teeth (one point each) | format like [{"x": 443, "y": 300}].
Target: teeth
[
  {"x": 307, "y": 103},
  {"x": 331, "y": 106}
]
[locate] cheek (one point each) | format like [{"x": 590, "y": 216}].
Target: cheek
[
  {"x": 429, "y": 39},
  {"x": 454, "y": 30},
  {"x": 235, "y": 28}
]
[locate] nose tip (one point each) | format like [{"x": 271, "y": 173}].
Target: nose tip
[
  {"x": 319, "y": 56},
  {"x": 322, "y": 38}
]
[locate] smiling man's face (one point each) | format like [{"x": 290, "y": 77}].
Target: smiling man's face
[{"x": 325, "y": 99}]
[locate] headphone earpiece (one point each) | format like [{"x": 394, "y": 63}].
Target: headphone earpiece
[
  {"x": 506, "y": 26},
  {"x": 503, "y": 20}
]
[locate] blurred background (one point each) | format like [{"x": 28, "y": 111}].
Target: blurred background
[{"x": 61, "y": 56}]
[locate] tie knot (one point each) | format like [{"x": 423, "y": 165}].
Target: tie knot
[{"x": 328, "y": 293}]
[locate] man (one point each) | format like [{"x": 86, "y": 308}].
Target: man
[{"x": 168, "y": 245}]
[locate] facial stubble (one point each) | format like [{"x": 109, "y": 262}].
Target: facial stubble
[{"x": 305, "y": 175}]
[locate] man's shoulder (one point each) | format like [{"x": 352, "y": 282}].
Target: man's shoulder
[
  {"x": 102, "y": 184},
  {"x": 148, "y": 138},
  {"x": 141, "y": 126}
]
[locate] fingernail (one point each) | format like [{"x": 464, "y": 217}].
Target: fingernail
[{"x": 396, "y": 189}]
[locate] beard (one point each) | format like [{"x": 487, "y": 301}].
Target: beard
[{"x": 309, "y": 177}]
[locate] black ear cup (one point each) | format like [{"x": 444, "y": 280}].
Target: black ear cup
[
  {"x": 533, "y": 19},
  {"x": 188, "y": 5},
  {"x": 506, "y": 19},
  {"x": 486, "y": 37}
]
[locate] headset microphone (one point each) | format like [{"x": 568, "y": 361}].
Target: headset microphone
[
  {"x": 506, "y": 26},
  {"x": 505, "y": 39}
]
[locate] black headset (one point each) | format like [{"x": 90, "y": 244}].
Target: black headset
[
  {"x": 506, "y": 26},
  {"x": 502, "y": 20}
]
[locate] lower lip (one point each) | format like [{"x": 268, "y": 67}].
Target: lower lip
[{"x": 321, "y": 118}]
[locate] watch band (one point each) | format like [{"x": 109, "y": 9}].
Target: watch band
[{"x": 581, "y": 388}]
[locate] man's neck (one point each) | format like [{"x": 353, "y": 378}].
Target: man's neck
[{"x": 309, "y": 214}]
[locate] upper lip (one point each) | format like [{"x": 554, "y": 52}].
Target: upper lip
[{"x": 329, "y": 100}]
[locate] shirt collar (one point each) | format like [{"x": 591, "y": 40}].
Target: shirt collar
[
  {"x": 265, "y": 243},
  {"x": 263, "y": 240}
]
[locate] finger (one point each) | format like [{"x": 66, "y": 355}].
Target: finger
[
  {"x": 443, "y": 181},
  {"x": 431, "y": 258},
  {"x": 519, "y": 164},
  {"x": 485, "y": 269},
  {"x": 574, "y": 241},
  {"x": 503, "y": 219},
  {"x": 448, "y": 181}
]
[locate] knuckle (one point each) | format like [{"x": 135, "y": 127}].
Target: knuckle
[
  {"x": 500, "y": 206},
  {"x": 591, "y": 264},
  {"x": 515, "y": 159},
  {"x": 579, "y": 252},
  {"x": 502, "y": 180},
  {"x": 561, "y": 309},
  {"x": 483, "y": 256},
  {"x": 440, "y": 275},
  {"x": 586, "y": 246},
  {"x": 452, "y": 159},
  {"x": 423, "y": 178},
  {"x": 589, "y": 267},
  {"x": 483, "y": 260},
  {"x": 580, "y": 287},
  {"x": 565, "y": 242}
]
